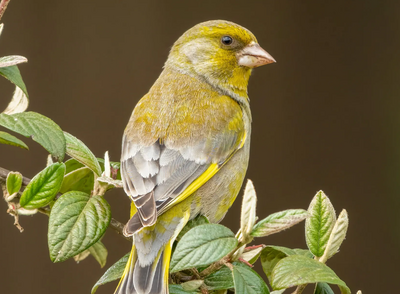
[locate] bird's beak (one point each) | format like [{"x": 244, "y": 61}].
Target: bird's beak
[{"x": 253, "y": 56}]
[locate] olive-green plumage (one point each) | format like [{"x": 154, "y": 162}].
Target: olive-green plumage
[{"x": 186, "y": 147}]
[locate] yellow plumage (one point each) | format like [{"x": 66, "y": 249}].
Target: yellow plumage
[{"x": 186, "y": 147}]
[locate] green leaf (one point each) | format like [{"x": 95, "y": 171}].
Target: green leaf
[
  {"x": 13, "y": 182},
  {"x": 270, "y": 256},
  {"x": 81, "y": 179},
  {"x": 323, "y": 288},
  {"x": 99, "y": 252},
  {"x": 71, "y": 165},
  {"x": 197, "y": 221},
  {"x": 248, "y": 211},
  {"x": 337, "y": 236},
  {"x": 320, "y": 223},
  {"x": 297, "y": 270},
  {"x": 6, "y": 138},
  {"x": 42, "y": 130},
  {"x": 278, "y": 222},
  {"x": 43, "y": 187},
  {"x": 178, "y": 289},
  {"x": 201, "y": 246},
  {"x": 78, "y": 150},
  {"x": 12, "y": 74},
  {"x": 220, "y": 280},
  {"x": 77, "y": 221},
  {"x": 113, "y": 273},
  {"x": 247, "y": 281}
]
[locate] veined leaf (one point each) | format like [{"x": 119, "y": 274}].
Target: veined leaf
[
  {"x": 43, "y": 187},
  {"x": 248, "y": 212},
  {"x": 337, "y": 236},
  {"x": 247, "y": 281},
  {"x": 40, "y": 128},
  {"x": 271, "y": 255},
  {"x": 297, "y": 270},
  {"x": 320, "y": 223},
  {"x": 201, "y": 246},
  {"x": 220, "y": 280},
  {"x": 12, "y": 60},
  {"x": 77, "y": 221},
  {"x": 12, "y": 74},
  {"x": 113, "y": 273},
  {"x": 13, "y": 182},
  {"x": 78, "y": 150},
  {"x": 278, "y": 222},
  {"x": 197, "y": 221}
]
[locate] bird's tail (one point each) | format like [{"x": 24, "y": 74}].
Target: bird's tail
[
  {"x": 147, "y": 271},
  {"x": 149, "y": 279}
]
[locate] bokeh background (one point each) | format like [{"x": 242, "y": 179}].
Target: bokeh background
[{"x": 325, "y": 117}]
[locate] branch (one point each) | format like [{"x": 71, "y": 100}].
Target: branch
[
  {"x": 3, "y": 7},
  {"x": 114, "y": 224},
  {"x": 300, "y": 289}
]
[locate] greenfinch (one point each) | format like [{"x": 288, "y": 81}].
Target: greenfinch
[{"x": 185, "y": 150}]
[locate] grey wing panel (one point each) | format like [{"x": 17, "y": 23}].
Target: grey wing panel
[{"x": 153, "y": 175}]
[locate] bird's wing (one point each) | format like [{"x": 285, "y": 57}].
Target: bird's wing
[{"x": 191, "y": 150}]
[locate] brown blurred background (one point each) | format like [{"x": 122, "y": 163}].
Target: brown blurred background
[{"x": 325, "y": 117}]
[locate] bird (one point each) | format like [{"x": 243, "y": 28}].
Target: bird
[{"x": 185, "y": 149}]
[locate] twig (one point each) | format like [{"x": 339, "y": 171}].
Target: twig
[
  {"x": 3, "y": 7},
  {"x": 300, "y": 289},
  {"x": 118, "y": 228},
  {"x": 114, "y": 224},
  {"x": 3, "y": 177},
  {"x": 215, "y": 266}
]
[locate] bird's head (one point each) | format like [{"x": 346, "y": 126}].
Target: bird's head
[{"x": 221, "y": 52}]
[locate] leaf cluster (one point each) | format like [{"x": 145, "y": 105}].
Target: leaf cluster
[{"x": 210, "y": 258}]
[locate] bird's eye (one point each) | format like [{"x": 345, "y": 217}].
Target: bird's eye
[{"x": 226, "y": 40}]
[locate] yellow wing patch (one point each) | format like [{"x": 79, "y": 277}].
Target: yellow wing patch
[
  {"x": 133, "y": 209},
  {"x": 202, "y": 179},
  {"x": 194, "y": 186}
]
